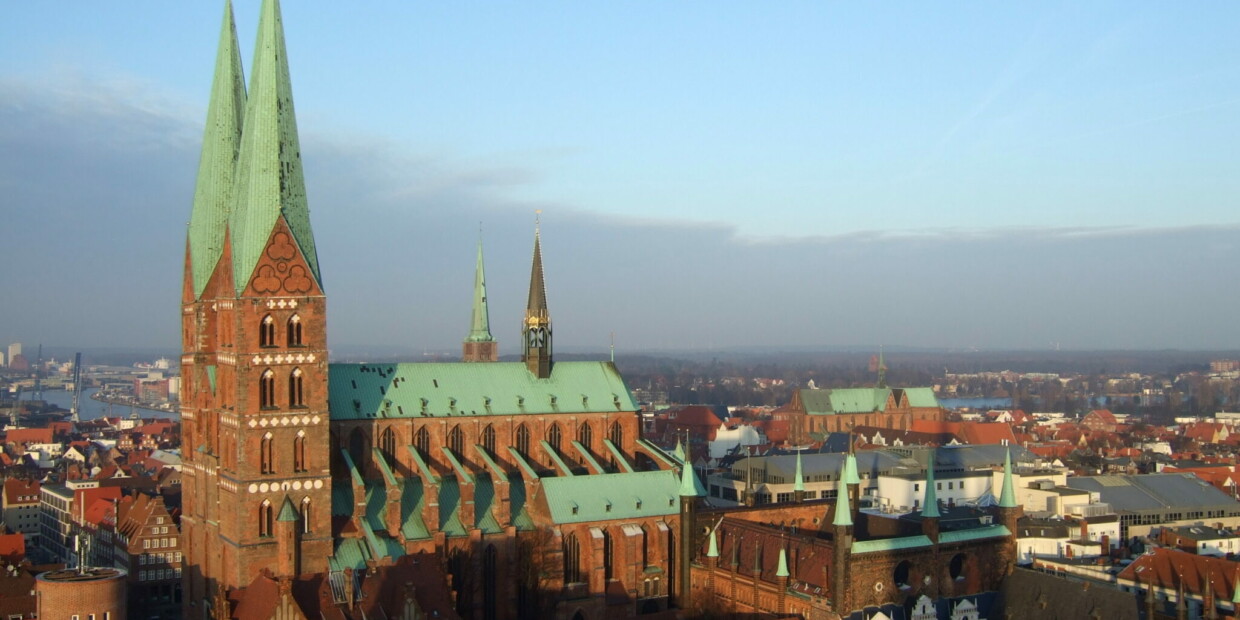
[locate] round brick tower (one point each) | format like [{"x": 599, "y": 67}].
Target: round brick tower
[{"x": 96, "y": 592}]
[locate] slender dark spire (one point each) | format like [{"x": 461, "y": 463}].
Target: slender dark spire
[
  {"x": 218, "y": 161},
  {"x": 537, "y": 305},
  {"x": 882, "y": 369},
  {"x": 269, "y": 181},
  {"x": 536, "y": 331}
]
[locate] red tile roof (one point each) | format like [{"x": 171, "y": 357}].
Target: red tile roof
[
  {"x": 28, "y": 435},
  {"x": 18, "y": 491}
]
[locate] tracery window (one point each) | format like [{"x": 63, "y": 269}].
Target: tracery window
[
  {"x": 294, "y": 331},
  {"x": 267, "y": 332},
  {"x": 296, "y": 393},
  {"x": 266, "y": 455},
  {"x": 267, "y": 390},
  {"x": 264, "y": 518}
]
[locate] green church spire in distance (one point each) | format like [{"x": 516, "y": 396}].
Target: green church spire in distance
[
  {"x": 1008, "y": 497},
  {"x": 218, "y": 161},
  {"x": 931, "y": 507},
  {"x": 480, "y": 321}
]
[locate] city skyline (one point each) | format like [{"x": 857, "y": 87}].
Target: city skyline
[{"x": 926, "y": 202}]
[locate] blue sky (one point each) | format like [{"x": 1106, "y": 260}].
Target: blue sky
[{"x": 758, "y": 129}]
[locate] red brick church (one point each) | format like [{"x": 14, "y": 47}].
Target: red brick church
[{"x": 477, "y": 489}]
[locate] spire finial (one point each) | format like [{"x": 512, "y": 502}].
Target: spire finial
[{"x": 613, "y": 347}]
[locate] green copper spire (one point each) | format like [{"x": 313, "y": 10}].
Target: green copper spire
[
  {"x": 1008, "y": 498},
  {"x": 679, "y": 452},
  {"x": 849, "y": 475},
  {"x": 782, "y": 569},
  {"x": 713, "y": 550},
  {"x": 288, "y": 512},
  {"x": 690, "y": 486},
  {"x": 798, "y": 483},
  {"x": 1235, "y": 591},
  {"x": 269, "y": 181},
  {"x": 220, "y": 140},
  {"x": 931, "y": 507},
  {"x": 843, "y": 514},
  {"x": 480, "y": 321}
]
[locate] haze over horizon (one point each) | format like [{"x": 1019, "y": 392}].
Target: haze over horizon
[{"x": 710, "y": 176}]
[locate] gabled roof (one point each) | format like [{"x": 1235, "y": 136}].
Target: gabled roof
[
  {"x": 17, "y": 491},
  {"x": 365, "y": 391},
  {"x": 1173, "y": 569}
]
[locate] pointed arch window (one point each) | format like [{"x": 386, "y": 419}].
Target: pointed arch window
[
  {"x": 490, "y": 583},
  {"x": 294, "y": 331},
  {"x": 607, "y": 554},
  {"x": 299, "y": 452},
  {"x": 585, "y": 435},
  {"x": 553, "y": 436},
  {"x": 387, "y": 445},
  {"x": 616, "y": 435},
  {"x": 305, "y": 514},
  {"x": 267, "y": 454},
  {"x": 488, "y": 439},
  {"x": 422, "y": 442},
  {"x": 264, "y": 518},
  {"x": 267, "y": 332},
  {"x": 267, "y": 390},
  {"x": 296, "y": 391},
  {"x": 523, "y": 440},
  {"x": 572, "y": 559},
  {"x": 456, "y": 441}
]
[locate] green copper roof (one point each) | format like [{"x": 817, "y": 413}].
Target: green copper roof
[
  {"x": 798, "y": 482},
  {"x": 269, "y": 182},
  {"x": 921, "y": 397},
  {"x": 605, "y": 497},
  {"x": 891, "y": 544},
  {"x": 412, "y": 501},
  {"x": 220, "y": 140},
  {"x": 843, "y": 514},
  {"x": 781, "y": 570},
  {"x": 713, "y": 550},
  {"x": 690, "y": 485},
  {"x": 1008, "y": 497},
  {"x": 419, "y": 390},
  {"x": 975, "y": 533},
  {"x": 679, "y": 452},
  {"x": 288, "y": 512},
  {"x": 931, "y": 507},
  {"x": 1235, "y": 592},
  {"x": 850, "y": 475},
  {"x": 480, "y": 320}
]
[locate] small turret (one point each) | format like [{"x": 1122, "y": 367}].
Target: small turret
[{"x": 798, "y": 484}]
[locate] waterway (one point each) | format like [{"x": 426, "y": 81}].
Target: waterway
[
  {"x": 92, "y": 409},
  {"x": 976, "y": 403}
]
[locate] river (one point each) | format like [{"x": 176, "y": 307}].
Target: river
[{"x": 91, "y": 408}]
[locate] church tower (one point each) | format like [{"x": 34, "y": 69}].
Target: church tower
[
  {"x": 536, "y": 331},
  {"x": 255, "y": 338},
  {"x": 480, "y": 346}
]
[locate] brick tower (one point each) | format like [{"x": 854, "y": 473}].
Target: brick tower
[{"x": 254, "y": 337}]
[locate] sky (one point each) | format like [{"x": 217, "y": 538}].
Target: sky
[{"x": 710, "y": 175}]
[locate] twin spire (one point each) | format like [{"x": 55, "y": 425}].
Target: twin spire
[{"x": 249, "y": 174}]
